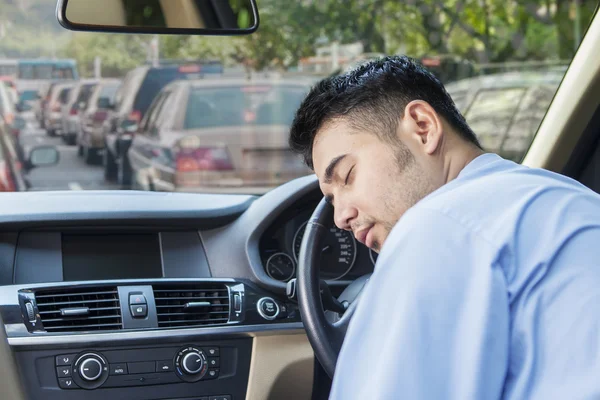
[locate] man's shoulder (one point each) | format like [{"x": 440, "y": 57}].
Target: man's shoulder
[{"x": 491, "y": 200}]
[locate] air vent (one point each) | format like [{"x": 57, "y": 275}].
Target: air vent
[
  {"x": 191, "y": 305},
  {"x": 79, "y": 309}
]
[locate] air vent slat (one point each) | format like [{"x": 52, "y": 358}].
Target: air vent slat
[
  {"x": 84, "y": 327},
  {"x": 62, "y": 303},
  {"x": 193, "y": 322},
  {"x": 77, "y": 318},
  {"x": 94, "y": 309},
  {"x": 171, "y": 299},
  {"x": 194, "y": 298},
  {"x": 190, "y": 290},
  {"x": 101, "y": 304},
  {"x": 184, "y": 313},
  {"x": 75, "y": 294}
]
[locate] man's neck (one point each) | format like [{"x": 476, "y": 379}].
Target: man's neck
[{"x": 457, "y": 162}]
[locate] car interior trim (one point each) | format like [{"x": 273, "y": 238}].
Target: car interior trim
[
  {"x": 152, "y": 335},
  {"x": 572, "y": 107}
]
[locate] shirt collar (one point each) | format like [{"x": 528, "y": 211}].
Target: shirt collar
[{"x": 478, "y": 163}]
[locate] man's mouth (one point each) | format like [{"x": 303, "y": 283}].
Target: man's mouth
[{"x": 364, "y": 237}]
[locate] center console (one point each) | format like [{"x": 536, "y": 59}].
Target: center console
[{"x": 135, "y": 315}]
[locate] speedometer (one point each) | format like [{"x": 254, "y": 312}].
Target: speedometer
[{"x": 338, "y": 252}]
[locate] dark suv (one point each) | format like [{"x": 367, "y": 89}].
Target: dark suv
[{"x": 132, "y": 100}]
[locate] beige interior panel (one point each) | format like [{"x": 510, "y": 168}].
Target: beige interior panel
[
  {"x": 282, "y": 367},
  {"x": 10, "y": 382},
  {"x": 95, "y": 12},
  {"x": 182, "y": 14},
  {"x": 573, "y": 106}
]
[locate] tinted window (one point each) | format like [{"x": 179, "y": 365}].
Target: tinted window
[
  {"x": 491, "y": 115},
  {"x": 46, "y": 71},
  {"x": 108, "y": 91},
  {"x": 259, "y": 105},
  {"x": 155, "y": 80},
  {"x": 28, "y": 95},
  {"x": 84, "y": 94},
  {"x": 63, "y": 97}
]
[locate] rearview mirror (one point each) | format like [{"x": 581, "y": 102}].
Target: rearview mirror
[
  {"x": 43, "y": 156},
  {"x": 191, "y": 17}
]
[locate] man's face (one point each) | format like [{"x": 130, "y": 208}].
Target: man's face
[{"x": 371, "y": 182}]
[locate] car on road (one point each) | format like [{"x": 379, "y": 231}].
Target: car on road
[
  {"x": 71, "y": 110},
  {"x": 57, "y": 97},
  {"x": 28, "y": 102},
  {"x": 91, "y": 140},
  {"x": 506, "y": 109},
  {"x": 226, "y": 135},
  {"x": 132, "y": 100}
]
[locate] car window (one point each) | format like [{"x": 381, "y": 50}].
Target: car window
[
  {"x": 151, "y": 115},
  {"x": 155, "y": 80},
  {"x": 108, "y": 90},
  {"x": 64, "y": 94},
  {"x": 126, "y": 93},
  {"x": 27, "y": 95},
  {"x": 84, "y": 94},
  {"x": 491, "y": 115},
  {"x": 231, "y": 106},
  {"x": 501, "y": 62}
]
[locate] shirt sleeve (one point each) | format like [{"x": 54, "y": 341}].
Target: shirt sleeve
[{"x": 433, "y": 321}]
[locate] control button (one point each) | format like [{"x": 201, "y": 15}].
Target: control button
[
  {"x": 212, "y": 351},
  {"x": 164, "y": 366},
  {"x": 268, "y": 308},
  {"x": 212, "y": 373},
  {"x": 192, "y": 363},
  {"x": 213, "y": 362},
  {"x": 141, "y": 367},
  {"x": 140, "y": 311},
  {"x": 118, "y": 369},
  {"x": 220, "y": 397},
  {"x": 90, "y": 369},
  {"x": 64, "y": 359},
  {"x": 66, "y": 383},
  {"x": 63, "y": 372},
  {"x": 135, "y": 299},
  {"x": 237, "y": 302}
]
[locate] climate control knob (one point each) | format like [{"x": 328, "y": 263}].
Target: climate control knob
[
  {"x": 90, "y": 370},
  {"x": 190, "y": 364}
]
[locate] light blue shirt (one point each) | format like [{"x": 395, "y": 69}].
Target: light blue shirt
[{"x": 489, "y": 288}]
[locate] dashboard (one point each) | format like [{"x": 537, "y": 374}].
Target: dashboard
[
  {"x": 161, "y": 296},
  {"x": 342, "y": 257}
]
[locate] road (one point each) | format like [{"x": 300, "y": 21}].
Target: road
[{"x": 71, "y": 173}]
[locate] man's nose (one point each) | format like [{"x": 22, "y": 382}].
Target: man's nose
[{"x": 343, "y": 215}]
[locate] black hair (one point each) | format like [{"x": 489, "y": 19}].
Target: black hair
[{"x": 374, "y": 96}]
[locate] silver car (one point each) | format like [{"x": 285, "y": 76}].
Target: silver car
[
  {"x": 52, "y": 107},
  {"x": 505, "y": 110},
  {"x": 219, "y": 136},
  {"x": 71, "y": 110}
]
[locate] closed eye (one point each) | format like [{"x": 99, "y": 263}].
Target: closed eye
[{"x": 348, "y": 176}]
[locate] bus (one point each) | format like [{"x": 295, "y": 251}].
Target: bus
[{"x": 40, "y": 69}]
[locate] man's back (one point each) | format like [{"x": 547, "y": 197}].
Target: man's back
[{"x": 487, "y": 288}]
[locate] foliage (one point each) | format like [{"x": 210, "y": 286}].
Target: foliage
[{"x": 479, "y": 30}]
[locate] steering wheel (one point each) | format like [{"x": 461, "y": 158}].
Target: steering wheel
[{"x": 326, "y": 334}]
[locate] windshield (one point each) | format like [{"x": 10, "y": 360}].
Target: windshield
[
  {"x": 212, "y": 114},
  {"x": 243, "y": 105}
]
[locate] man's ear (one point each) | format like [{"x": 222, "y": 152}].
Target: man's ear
[{"x": 422, "y": 126}]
